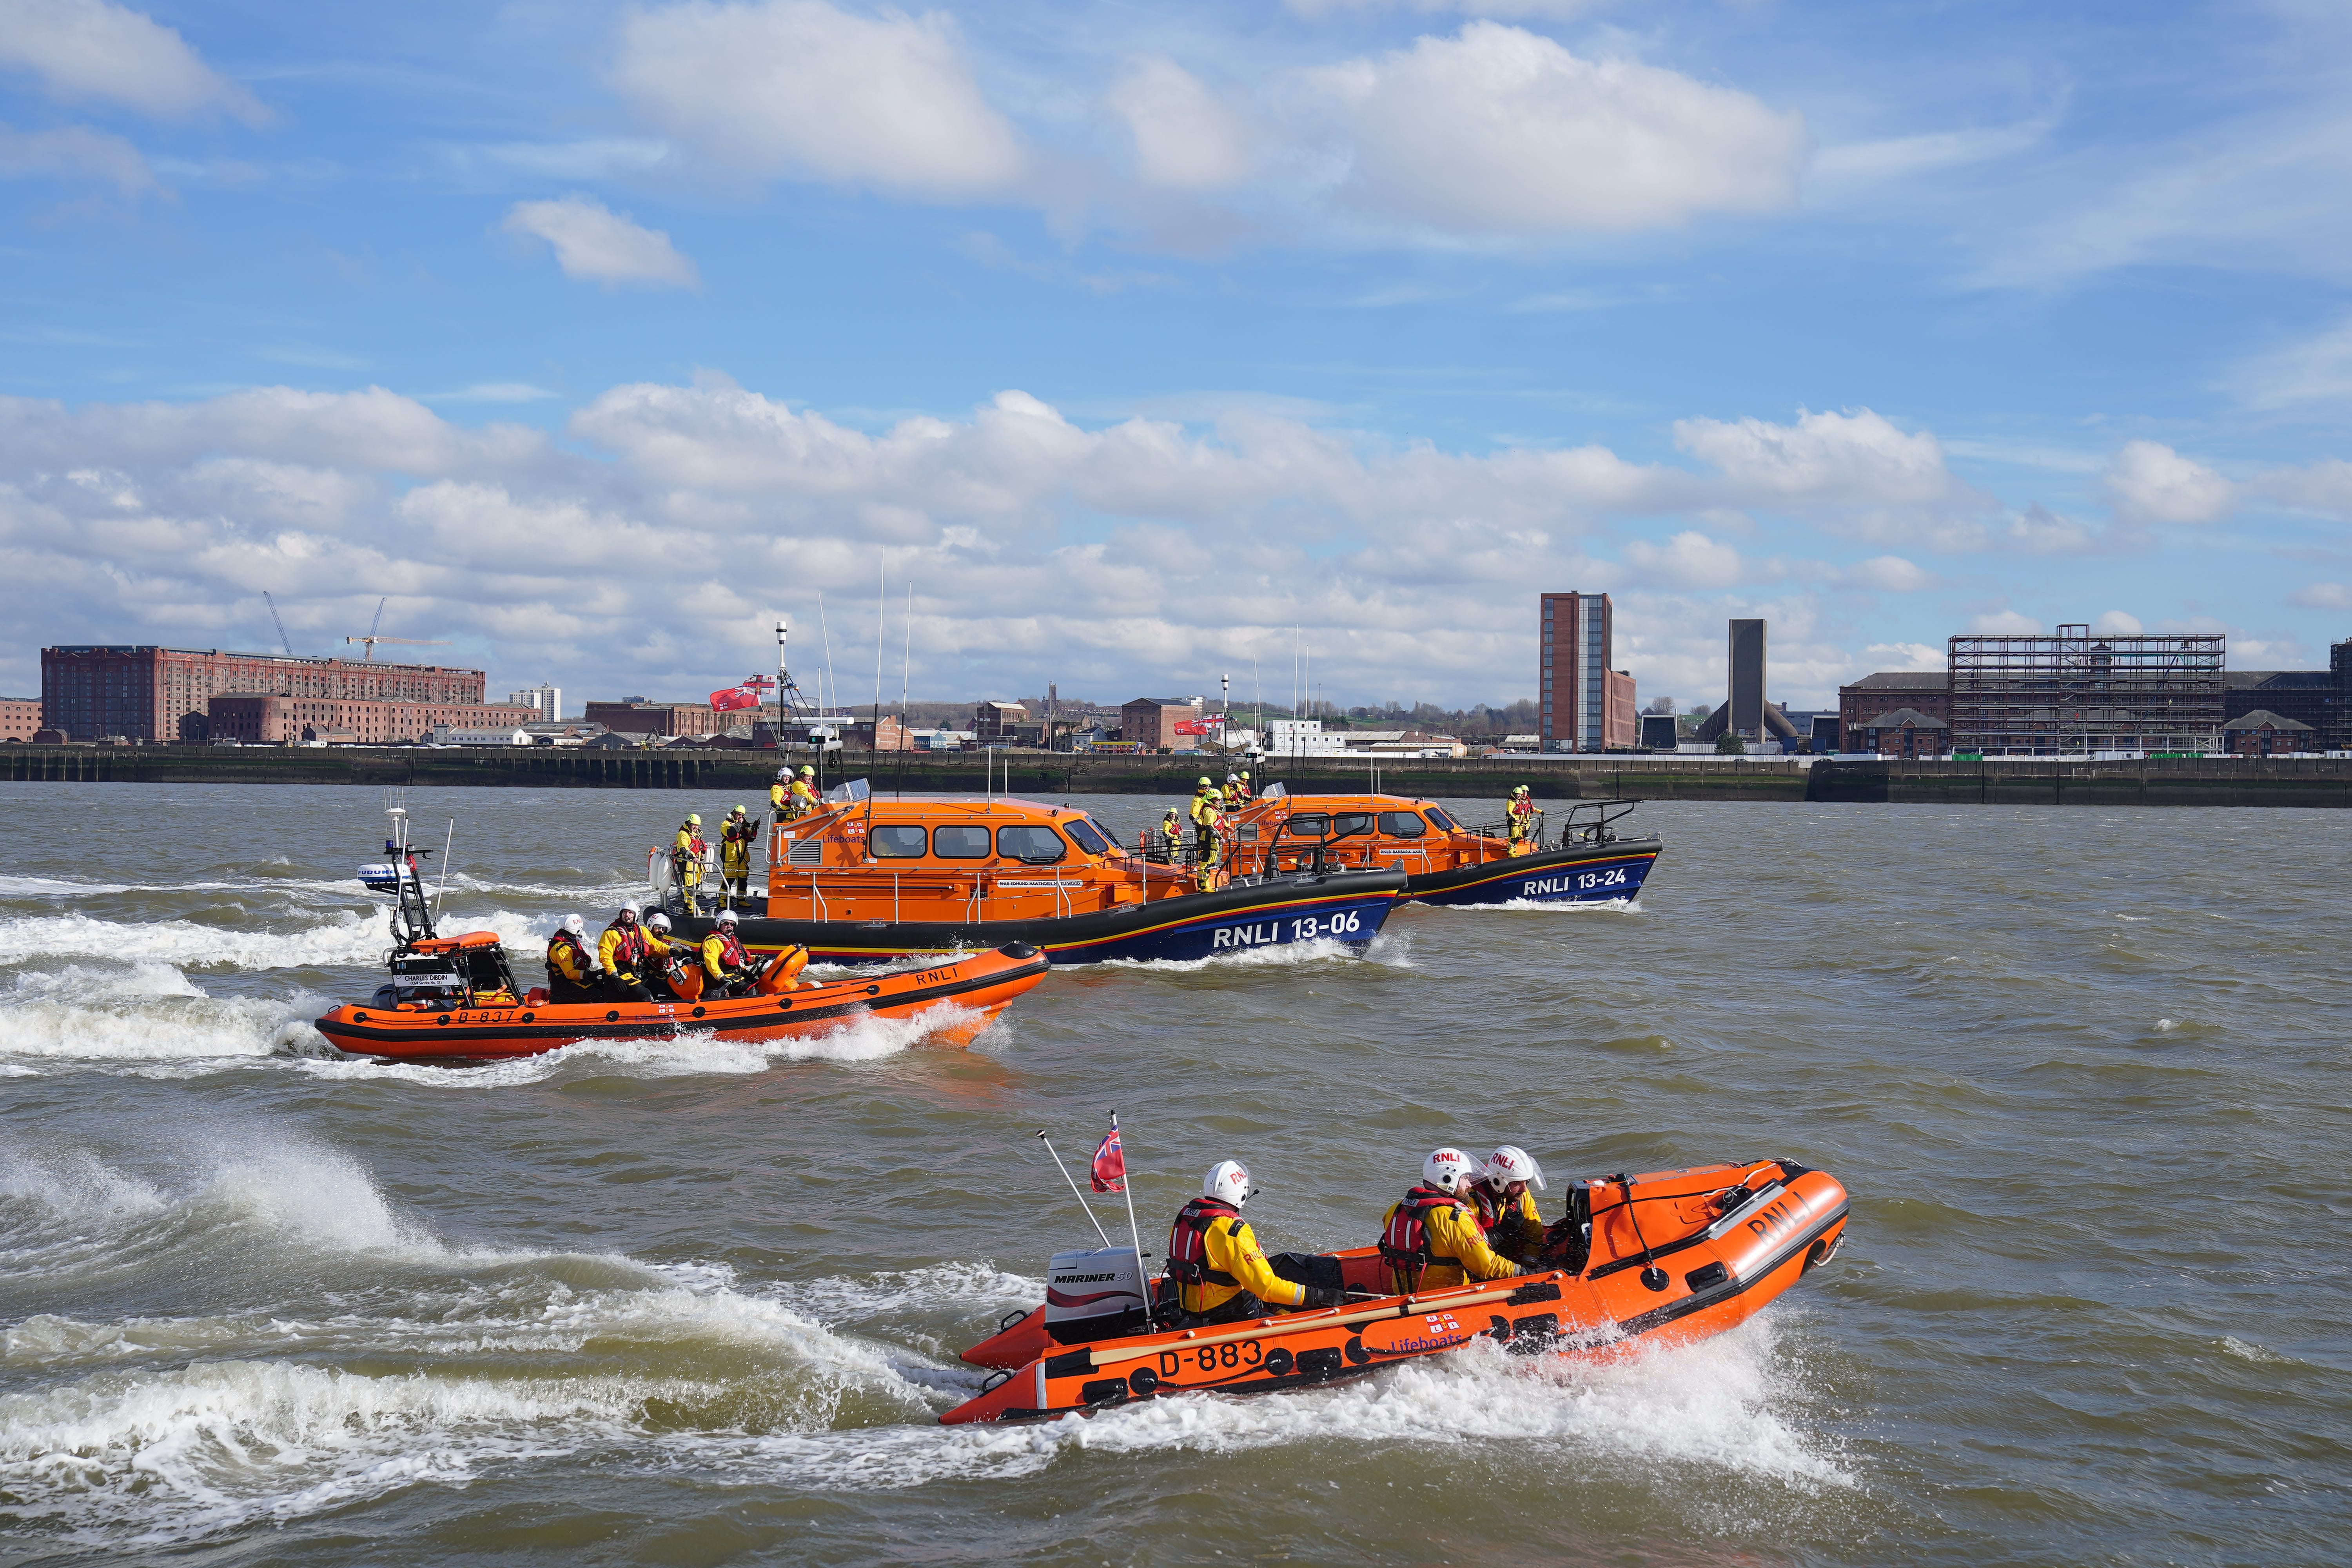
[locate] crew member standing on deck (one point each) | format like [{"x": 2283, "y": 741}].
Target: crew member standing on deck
[
  {"x": 1206, "y": 815},
  {"x": 736, "y": 836},
  {"x": 1520, "y": 821},
  {"x": 803, "y": 799},
  {"x": 779, "y": 801},
  {"x": 686, "y": 856},
  {"x": 1171, "y": 837}
]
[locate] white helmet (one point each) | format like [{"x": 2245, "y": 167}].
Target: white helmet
[
  {"x": 1233, "y": 778},
  {"x": 1511, "y": 1164},
  {"x": 575, "y": 925},
  {"x": 784, "y": 774},
  {"x": 1448, "y": 1169},
  {"x": 1228, "y": 1183},
  {"x": 727, "y": 917},
  {"x": 658, "y": 921}
]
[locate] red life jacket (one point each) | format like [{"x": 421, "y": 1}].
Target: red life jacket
[
  {"x": 1405, "y": 1243},
  {"x": 730, "y": 951},
  {"x": 631, "y": 949},
  {"x": 580, "y": 958},
  {"x": 1188, "y": 1242}
]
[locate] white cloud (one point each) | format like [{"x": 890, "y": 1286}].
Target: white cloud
[
  {"x": 1858, "y": 456},
  {"x": 2005, "y": 623},
  {"x": 2322, "y": 486},
  {"x": 1854, "y": 164},
  {"x": 1688, "y": 560},
  {"x": 1185, "y": 137},
  {"x": 2317, "y": 370},
  {"x": 1556, "y": 10},
  {"x": 2118, "y": 624},
  {"x": 2147, "y": 481},
  {"x": 94, "y": 50},
  {"x": 1889, "y": 574},
  {"x": 1497, "y": 131},
  {"x": 798, "y": 88},
  {"x": 1903, "y": 656},
  {"x": 2322, "y": 596},
  {"x": 604, "y": 246},
  {"x": 75, "y": 152}
]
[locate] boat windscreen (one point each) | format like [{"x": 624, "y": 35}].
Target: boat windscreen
[
  {"x": 1306, "y": 825},
  {"x": 1444, "y": 823},
  {"x": 1346, "y": 824},
  {"x": 1401, "y": 824},
  {"x": 1086, "y": 835}
]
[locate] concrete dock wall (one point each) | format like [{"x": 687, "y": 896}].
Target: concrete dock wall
[{"x": 2308, "y": 782}]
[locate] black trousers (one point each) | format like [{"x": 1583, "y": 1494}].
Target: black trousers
[
  {"x": 559, "y": 990},
  {"x": 619, "y": 990}
]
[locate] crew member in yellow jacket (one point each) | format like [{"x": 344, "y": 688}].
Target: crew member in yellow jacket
[
  {"x": 571, "y": 971},
  {"x": 736, "y": 836},
  {"x": 802, "y": 800},
  {"x": 1524, "y": 824},
  {"x": 1431, "y": 1237},
  {"x": 686, "y": 854},
  {"x": 624, "y": 949},
  {"x": 727, "y": 968},
  {"x": 1221, "y": 1275},
  {"x": 1506, "y": 1208},
  {"x": 779, "y": 799},
  {"x": 1208, "y": 810}
]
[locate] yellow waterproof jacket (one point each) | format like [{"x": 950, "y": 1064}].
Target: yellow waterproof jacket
[
  {"x": 735, "y": 846},
  {"x": 610, "y": 945},
  {"x": 1457, "y": 1247},
  {"x": 1514, "y": 1226},
  {"x": 567, "y": 956},
  {"x": 1204, "y": 809},
  {"x": 803, "y": 798},
  {"x": 1233, "y": 1253},
  {"x": 776, "y": 798}
]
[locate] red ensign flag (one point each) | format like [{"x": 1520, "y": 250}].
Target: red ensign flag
[
  {"x": 733, "y": 698},
  {"x": 1110, "y": 1165}
]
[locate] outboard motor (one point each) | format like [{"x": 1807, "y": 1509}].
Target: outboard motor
[{"x": 1096, "y": 1295}]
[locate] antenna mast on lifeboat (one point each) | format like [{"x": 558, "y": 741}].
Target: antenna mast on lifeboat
[{"x": 412, "y": 917}]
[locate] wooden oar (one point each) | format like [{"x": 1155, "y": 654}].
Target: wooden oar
[{"x": 1306, "y": 1324}]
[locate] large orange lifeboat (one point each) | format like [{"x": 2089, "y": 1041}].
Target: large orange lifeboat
[
  {"x": 1664, "y": 1258},
  {"x": 860, "y": 880},
  {"x": 1445, "y": 860}
]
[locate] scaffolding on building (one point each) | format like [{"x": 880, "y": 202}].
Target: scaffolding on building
[{"x": 2071, "y": 691}]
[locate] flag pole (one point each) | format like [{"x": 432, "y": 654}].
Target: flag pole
[
  {"x": 1073, "y": 1191},
  {"x": 1128, "y": 1187}
]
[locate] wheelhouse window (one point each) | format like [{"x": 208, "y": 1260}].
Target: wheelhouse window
[
  {"x": 1401, "y": 824},
  {"x": 895, "y": 842},
  {"x": 1086, "y": 835},
  {"x": 1348, "y": 823},
  {"x": 959, "y": 843},
  {"x": 1031, "y": 846},
  {"x": 1439, "y": 820},
  {"x": 1307, "y": 824}
]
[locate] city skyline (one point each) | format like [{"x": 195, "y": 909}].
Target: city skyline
[{"x": 1146, "y": 349}]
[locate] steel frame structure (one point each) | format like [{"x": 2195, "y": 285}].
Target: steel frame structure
[{"x": 2071, "y": 691}]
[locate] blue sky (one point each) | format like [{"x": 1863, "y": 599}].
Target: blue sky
[{"x": 1143, "y": 346}]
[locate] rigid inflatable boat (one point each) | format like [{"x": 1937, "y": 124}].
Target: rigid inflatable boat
[
  {"x": 861, "y": 880},
  {"x": 1665, "y": 1258},
  {"x": 454, "y": 999},
  {"x": 1445, "y": 861}
]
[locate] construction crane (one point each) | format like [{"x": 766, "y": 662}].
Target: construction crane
[
  {"x": 278, "y": 621},
  {"x": 371, "y": 640}
]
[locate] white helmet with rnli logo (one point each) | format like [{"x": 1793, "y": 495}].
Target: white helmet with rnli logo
[
  {"x": 1449, "y": 1170},
  {"x": 658, "y": 921},
  {"x": 1511, "y": 1164},
  {"x": 1228, "y": 1183},
  {"x": 727, "y": 917}
]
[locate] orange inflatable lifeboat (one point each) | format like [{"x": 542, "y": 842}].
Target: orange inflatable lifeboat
[{"x": 1664, "y": 1257}]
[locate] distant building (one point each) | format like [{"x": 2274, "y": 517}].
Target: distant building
[
  {"x": 150, "y": 693},
  {"x": 638, "y": 717},
  {"x": 547, "y": 701},
  {"x": 1747, "y": 678},
  {"x": 473, "y": 735},
  {"x": 1000, "y": 721},
  {"x": 1152, "y": 722},
  {"x": 1927, "y": 691},
  {"x": 2321, "y": 698},
  {"x": 1582, "y": 704},
  {"x": 2072, "y": 691},
  {"x": 20, "y": 718},
  {"x": 1904, "y": 732},
  {"x": 1660, "y": 731},
  {"x": 2263, "y": 733},
  {"x": 255, "y": 720},
  {"x": 1828, "y": 731}
]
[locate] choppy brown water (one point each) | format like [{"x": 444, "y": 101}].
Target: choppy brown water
[{"x": 2084, "y": 1071}]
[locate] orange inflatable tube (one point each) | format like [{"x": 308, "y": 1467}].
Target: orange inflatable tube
[{"x": 783, "y": 972}]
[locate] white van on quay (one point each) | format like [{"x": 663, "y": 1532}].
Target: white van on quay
[{"x": 449, "y": 735}]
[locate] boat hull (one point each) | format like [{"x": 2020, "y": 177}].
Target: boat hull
[
  {"x": 1349, "y": 909},
  {"x": 1581, "y": 874},
  {"x": 1710, "y": 1278},
  {"x": 965, "y": 995}
]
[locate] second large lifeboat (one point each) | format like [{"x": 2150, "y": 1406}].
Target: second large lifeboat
[{"x": 1445, "y": 860}]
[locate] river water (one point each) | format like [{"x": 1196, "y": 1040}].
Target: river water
[{"x": 2084, "y": 1071}]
